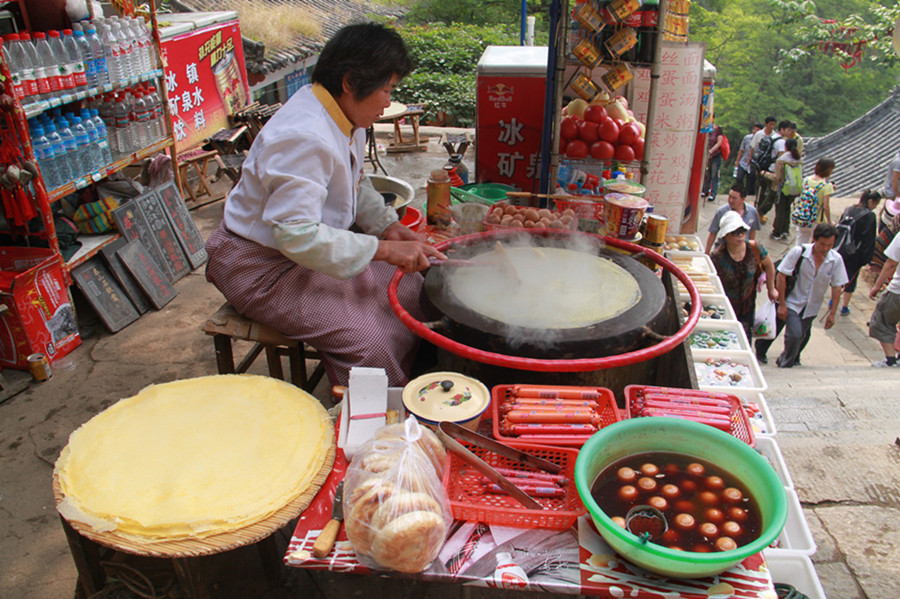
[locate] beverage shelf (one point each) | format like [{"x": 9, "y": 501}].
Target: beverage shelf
[
  {"x": 82, "y": 182},
  {"x": 35, "y": 108}
]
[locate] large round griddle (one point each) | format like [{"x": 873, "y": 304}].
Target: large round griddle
[{"x": 618, "y": 334}]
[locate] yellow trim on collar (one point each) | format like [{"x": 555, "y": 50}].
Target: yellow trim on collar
[{"x": 334, "y": 110}]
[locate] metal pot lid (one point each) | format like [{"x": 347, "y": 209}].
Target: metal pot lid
[{"x": 451, "y": 396}]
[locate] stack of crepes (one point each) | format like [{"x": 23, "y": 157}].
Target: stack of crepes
[
  {"x": 395, "y": 507},
  {"x": 194, "y": 458}
]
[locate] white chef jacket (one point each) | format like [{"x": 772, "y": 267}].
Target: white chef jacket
[
  {"x": 809, "y": 292},
  {"x": 302, "y": 186}
]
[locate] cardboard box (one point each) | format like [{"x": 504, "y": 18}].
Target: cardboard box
[{"x": 39, "y": 315}]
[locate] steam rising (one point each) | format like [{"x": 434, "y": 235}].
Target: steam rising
[{"x": 561, "y": 288}]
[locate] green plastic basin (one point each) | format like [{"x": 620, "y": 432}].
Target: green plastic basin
[{"x": 654, "y": 434}]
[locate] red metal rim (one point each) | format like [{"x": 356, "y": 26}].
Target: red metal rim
[{"x": 545, "y": 365}]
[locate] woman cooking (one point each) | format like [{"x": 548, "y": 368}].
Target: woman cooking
[
  {"x": 739, "y": 263},
  {"x": 306, "y": 245}
]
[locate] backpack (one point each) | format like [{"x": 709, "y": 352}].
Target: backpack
[
  {"x": 725, "y": 148},
  {"x": 793, "y": 180},
  {"x": 791, "y": 279},
  {"x": 762, "y": 155},
  {"x": 806, "y": 207},
  {"x": 844, "y": 242}
]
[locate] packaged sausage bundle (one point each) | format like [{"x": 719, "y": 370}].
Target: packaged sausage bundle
[{"x": 396, "y": 510}]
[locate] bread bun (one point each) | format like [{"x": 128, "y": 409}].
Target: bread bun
[
  {"x": 368, "y": 499},
  {"x": 410, "y": 542},
  {"x": 403, "y": 503}
]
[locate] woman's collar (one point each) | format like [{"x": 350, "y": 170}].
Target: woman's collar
[{"x": 334, "y": 110}]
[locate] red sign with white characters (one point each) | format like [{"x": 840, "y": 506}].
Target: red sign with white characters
[
  {"x": 206, "y": 81},
  {"x": 510, "y": 124}
]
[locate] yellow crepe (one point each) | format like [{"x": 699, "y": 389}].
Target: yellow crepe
[{"x": 194, "y": 458}]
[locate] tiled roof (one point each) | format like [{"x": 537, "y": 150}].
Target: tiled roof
[
  {"x": 332, "y": 15},
  {"x": 861, "y": 149}
]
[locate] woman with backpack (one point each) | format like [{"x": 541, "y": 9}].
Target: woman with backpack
[
  {"x": 788, "y": 180},
  {"x": 856, "y": 244},
  {"x": 813, "y": 205}
]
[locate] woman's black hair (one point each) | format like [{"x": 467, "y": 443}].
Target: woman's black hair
[
  {"x": 869, "y": 195},
  {"x": 824, "y": 167},
  {"x": 790, "y": 145},
  {"x": 369, "y": 54}
]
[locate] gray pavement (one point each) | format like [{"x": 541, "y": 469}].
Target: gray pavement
[{"x": 837, "y": 421}]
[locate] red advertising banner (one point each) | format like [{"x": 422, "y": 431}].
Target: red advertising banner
[
  {"x": 206, "y": 81},
  {"x": 510, "y": 125}
]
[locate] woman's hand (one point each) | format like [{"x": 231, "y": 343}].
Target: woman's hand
[
  {"x": 408, "y": 255},
  {"x": 399, "y": 232},
  {"x": 773, "y": 294}
]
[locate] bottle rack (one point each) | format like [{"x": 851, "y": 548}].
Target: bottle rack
[{"x": 44, "y": 198}]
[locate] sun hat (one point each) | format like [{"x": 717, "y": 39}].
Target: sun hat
[
  {"x": 892, "y": 207},
  {"x": 731, "y": 221}
]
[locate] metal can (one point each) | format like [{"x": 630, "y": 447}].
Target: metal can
[
  {"x": 617, "y": 76},
  {"x": 230, "y": 83},
  {"x": 655, "y": 229},
  {"x": 39, "y": 367}
]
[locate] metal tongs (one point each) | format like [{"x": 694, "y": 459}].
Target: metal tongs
[{"x": 446, "y": 431}]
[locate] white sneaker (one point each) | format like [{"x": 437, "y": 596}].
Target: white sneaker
[{"x": 884, "y": 364}]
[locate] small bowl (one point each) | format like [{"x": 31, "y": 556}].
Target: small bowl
[
  {"x": 661, "y": 434},
  {"x": 446, "y": 396}
]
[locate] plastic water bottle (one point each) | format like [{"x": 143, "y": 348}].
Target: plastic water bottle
[
  {"x": 125, "y": 49},
  {"x": 64, "y": 66},
  {"x": 11, "y": 55},
  {"x": 112, "y": 51},
  {"x": 107, "y": 114},
  {"x": 27, "y": 48},
  {"x": 46, "y": 70},
  {"x": 63, "y": 170},
  {"x": 83, "y": 139},
  {"x": 139, "y": 46},
  {"x": 75, "y": 59},
  {"x": 102, "y": 137},
  {"x": 98, "y": 59},
  {"x": 84, "y": 53},
  {"x": 97, "y": 158},
  {"x": 143, "y": 113},
  {"x": 157, "y": 119},
  {"x": 122, "y": 118},
  {"x": 46, "y": 158},
  {"x": 70, "y": 148}
]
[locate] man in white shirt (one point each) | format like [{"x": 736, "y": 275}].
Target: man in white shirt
[
  {"x": 285, "y": 254},
  {"x": 821, "y": 268},
  {"x": 883, "y": 324}
]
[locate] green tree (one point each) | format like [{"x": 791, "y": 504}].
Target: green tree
[{"x": 446, "y": 58}]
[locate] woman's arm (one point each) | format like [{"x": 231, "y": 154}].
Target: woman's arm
[
  {"x": 771, "y": 278},
  {"x": 826, "y": 208}
]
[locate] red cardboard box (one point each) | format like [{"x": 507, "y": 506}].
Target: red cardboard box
[{"x": 39, "y": 315}]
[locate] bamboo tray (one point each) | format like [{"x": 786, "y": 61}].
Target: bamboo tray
[{"x": 217, "y": 543}]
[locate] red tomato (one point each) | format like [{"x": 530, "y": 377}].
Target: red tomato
[
  {"x": 609, "y": 130},
  {"x": 602, "y": 150},
  {"x": 624, "y": 153},
  {"x": 620, "y": 122},
  {"x": 628, "y": 134},
  {"x": 595, "y": 113},
  {"x": 576, "y": 149},
  {"x": 587, "y": 132},
  {"x": 638, "y": 147},
  {"x": 568, "y": 127}
]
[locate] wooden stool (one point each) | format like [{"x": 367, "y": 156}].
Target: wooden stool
[
  {"x": 195, "y": 162},
  {"x": 226, "y": 326}
]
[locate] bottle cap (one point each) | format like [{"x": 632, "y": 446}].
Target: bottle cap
[{"x": 440, "y": 175}]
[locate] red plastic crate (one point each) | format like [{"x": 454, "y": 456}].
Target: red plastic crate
[
  {"x": 470, "y": 501},
  {"x": 603, "y": 397},
  {"x": 740, "y": 426}
]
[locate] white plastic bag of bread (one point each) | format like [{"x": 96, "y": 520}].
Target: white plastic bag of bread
[{"x": 396, "y": 510}]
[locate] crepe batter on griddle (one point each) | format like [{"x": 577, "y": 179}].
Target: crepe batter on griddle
[{"x": 559, "y": 288}]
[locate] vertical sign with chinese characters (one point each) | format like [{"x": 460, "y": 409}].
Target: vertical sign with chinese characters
[
  {"x": 674, "y": 130},
  {"x": 205, "y": 81},
  {"x": 510, "y": 98}
]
